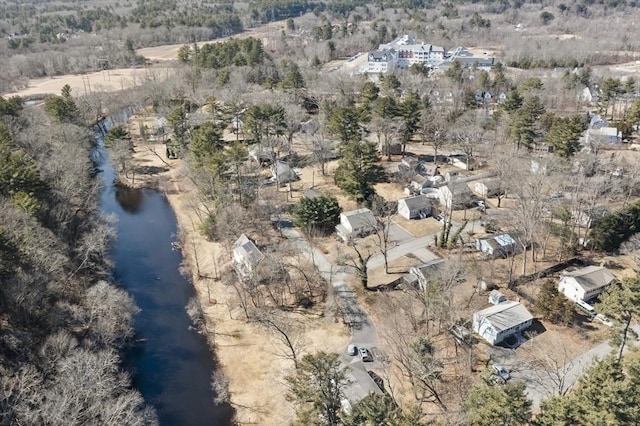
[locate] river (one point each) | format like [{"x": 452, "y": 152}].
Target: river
[{"x": 172, "y": 365}]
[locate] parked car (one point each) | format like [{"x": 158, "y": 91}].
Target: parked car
[
  {"x": 365, "y": 355},
  {"x": 352, "y": 350},
  {"x": 501, "y": 372}
]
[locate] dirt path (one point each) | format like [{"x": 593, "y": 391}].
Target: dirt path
[{"x": 249, "y": 355}]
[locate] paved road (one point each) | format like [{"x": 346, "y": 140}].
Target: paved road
[
  {"x": 362, "y": 329},
  {"x": 542, "y": 384}
]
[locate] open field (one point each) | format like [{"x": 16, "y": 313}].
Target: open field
[{"x": 101, "y": 81}]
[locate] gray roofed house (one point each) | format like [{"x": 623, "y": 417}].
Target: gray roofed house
[
  {"x": 497, "y": 245},
  {"x": 282, "y": 173},
  {"x": 498, "y": 322},
  {"x": 312, "y": 193},
  {"x": 585, "y": 283},
  {"x": 417, "y": 207},
  {"x": 424, "y": 273},
  {"x": 246, "y": 256},
  {"x": 356, "y": 223}
]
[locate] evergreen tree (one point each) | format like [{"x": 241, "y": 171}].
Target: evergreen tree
[
  {"x": 621, "y": 302},
  {"x": 504, "y": 405},
  {"x": 319, "y": 213},
  {"x": 358, "y": 171},
  {"x": 553, "y": 305},
  {"x": 344, "y": 123},
  {"x": 564, "y": 135}
]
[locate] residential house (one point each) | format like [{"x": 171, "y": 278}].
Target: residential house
[
  {"x": 496, "y": 323},
  {"x": 585, "y": 283},
  {"x": 602, "y": 136},
  {"x": 455, "y": 195},
  {"x": 417, "y": 207},
  {"x": 489, "y": 188},
  {"x": 356, "y": 223},
  {"x": 282, "y": 173},
  {"x": 502, "y": 245},
  {"x": 590, "y": 216},
  {"x": 246, "y": 257},
  {"x": 421, "y": 275}
]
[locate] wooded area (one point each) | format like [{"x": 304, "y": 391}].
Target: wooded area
[{"x": 280, "y": 108}]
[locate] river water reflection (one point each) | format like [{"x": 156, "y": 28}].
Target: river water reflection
[{"x": 172, "y": 365}]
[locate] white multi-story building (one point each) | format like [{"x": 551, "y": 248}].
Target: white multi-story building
[
  {"x": 411, "y": 52},
  {"x": 381, "y": 61}
]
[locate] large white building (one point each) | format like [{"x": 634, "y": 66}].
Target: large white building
[
  {"x": 381, "y": 61},
  {"x": 402, "y": 53}
]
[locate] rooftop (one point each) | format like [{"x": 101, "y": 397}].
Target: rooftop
[
  {"x": 592, "y": 277},
  {"x": 505, "y": 315}
]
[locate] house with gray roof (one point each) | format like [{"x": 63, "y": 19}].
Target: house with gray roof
[
  {"x": 417, "y": 207},
  {"x": 585, "y": 283},
  {"x": 282, "y": 173},
  {"x": 502, "y": 245},
  {"x": 356, "y": 223},
  {"x": 246, "y": 257},
  {"x": 420, "y": 276},
  {"x": 496, "y": 323}
]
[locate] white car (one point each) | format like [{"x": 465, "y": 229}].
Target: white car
[
  {"x": 365, "y": 355},
  {"x": 352, "y": 350},
  {"x": 501, "y": 372}
]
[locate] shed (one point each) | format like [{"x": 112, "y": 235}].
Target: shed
[
  {"x": 312, "y": 193},
  {"x": 417, "y": 207},
  {"x": 496, "y": 323},
  {"x": 495, "y": 297},
  {"x": 356, "y": 223},
  {"x": 585, "y": 283}
]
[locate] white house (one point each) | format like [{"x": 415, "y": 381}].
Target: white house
[
  {"x": 246, "y": 256},
  {"x": 603, "y": 136},
  {"x": 590, "y": 216},
  {"x": 585, "y": 283},
  {"x": 419, "y": 53},
  {"x": 380, "y": 61},
  {"x": 498, "y": 322},
  {"x": 417, "y": 207},
  {"x": 489, "y": 188},
  {"x": 421, "y": 275},
  {"x": 356, "y": 223},
  {"x": 455, "y": 195},
  {"x": 497, "y": 245}
]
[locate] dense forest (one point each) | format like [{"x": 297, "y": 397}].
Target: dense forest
[{"x": 64, "y": 322}]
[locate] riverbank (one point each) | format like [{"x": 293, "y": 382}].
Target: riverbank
[{"x": 247, "y": 353}]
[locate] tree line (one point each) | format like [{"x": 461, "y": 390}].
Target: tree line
[{"x": 64, "y": 321}]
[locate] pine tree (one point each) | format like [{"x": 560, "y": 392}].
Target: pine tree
[{"x": 358, "y": 171}]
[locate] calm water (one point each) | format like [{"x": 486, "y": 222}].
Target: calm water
[{"x": 172, "y": 366}]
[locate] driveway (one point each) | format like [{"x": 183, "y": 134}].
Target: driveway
[
  {"x": 542, "y": 384},
  {"x": 398, "y": 234}
]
